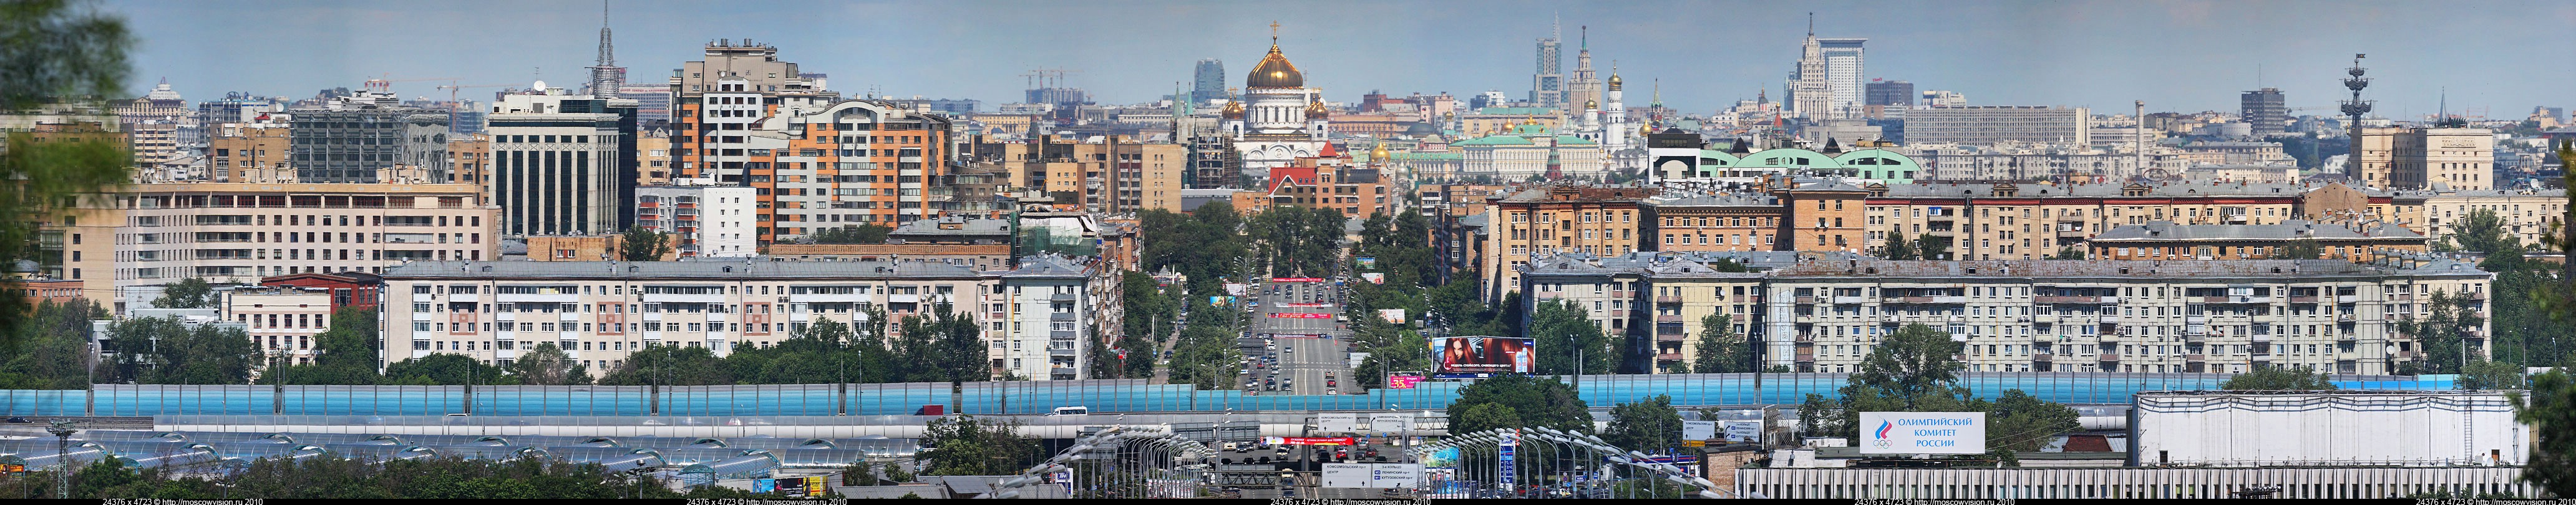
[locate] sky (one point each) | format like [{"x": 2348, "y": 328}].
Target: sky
[{"x": 2177, "y": 55}]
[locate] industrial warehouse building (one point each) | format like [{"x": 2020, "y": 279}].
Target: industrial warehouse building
[{"x": 2130, "y": 483}]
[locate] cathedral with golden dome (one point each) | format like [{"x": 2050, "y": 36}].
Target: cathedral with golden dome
[{"x": 1278, "y": 119}]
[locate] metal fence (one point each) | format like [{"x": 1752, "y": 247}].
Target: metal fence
[{"x": 1032, "y": 397}]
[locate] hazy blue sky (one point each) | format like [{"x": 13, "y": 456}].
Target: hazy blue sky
[{"x": 2177, "y": 55}]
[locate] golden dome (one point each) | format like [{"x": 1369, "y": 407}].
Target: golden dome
[
  {"x": 1316, "y": 110},
  {"x": 1614, "y": 82},
  {"x": 1233, "y": 110},
  {"x": 1591, "y": 104},
  {"x": 1530, "y": 121},
  {"x": 1379, "y": 154},
  {"x": 1275, "y": 71}
]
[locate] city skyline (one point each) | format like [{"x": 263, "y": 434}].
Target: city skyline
[{"x": 2189, "y": 56}]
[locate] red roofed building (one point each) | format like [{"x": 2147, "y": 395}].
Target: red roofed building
[
  {"x": 348, "y": 289},
  {"x": 1332, "y": 180}
]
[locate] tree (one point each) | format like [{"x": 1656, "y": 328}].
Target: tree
[
  {"x": 1533, "y": 401},
  {"x": 2068, "y": 253},
  {"x": 442, "y": 369},
  {"x": 870, "y": 233},
  {"x": 547, "y": 365},
  {"x": 54, "y": 352},
  {"x": 2439, "y": 332},
  {"x": 669, "y": 365},
  {"x": 2550, "y": 408},
  {"x": 2483, "y": 231},
  {"x": 643, "y": 244},
  {"x": 156, "y": 350},
  {"x": 2483, "y": 375},
  {"x": 2301, "y": 249},
  {"x": 344, "y": 354},
  {"x": 969, "y": 445},
  {"x": 54, "y": 52},
  {"x": 1558, "y": 329},
  {"x": 1933, "y": 247},
  {"x": 2020, "y": 422},
  {"x": 1487, "y": 416},
  {"x": 1408, "y": 352},
  {"x": 1901, "y": 250},
  {"x": 189, "y": 293},
  {"x": 1648, "y": 424},
  {"x": 948, "y": 342},
  {"x": 1720, "y": 349},
  {"x": 2278, "y": 379}
]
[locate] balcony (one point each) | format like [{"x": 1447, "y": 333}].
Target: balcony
[
  {"x": 1739, "y": 317},
  {"x": 1668, "y": 318},
  {"x": 2110, "y": 358},
  {"x": 1668, "y": 300},
  {"x": 2303, "y": 299},
  {"x": 1803, "y": 300},
  {"x": 2109, "y": 319},
  {"x": 2343, "y": 318},
  {"x": 1669, "y": 356},
  {"x": 2347, "y": 298},
  {"x": 2070, "y": 234},
  {"x": 2195, "y": 319},
  {"x": 1850, "y": 300},
  {"x": 2067, "y": 299},
  {"x": 2195, "y": 337},
  {"x": 2044, "y": 318},
  {"x": 1806, "y": 356},
  {"x": 2042, "y": 358},
  {"x": 2195, "y": 358},
  {"x": 1891, "y": 319},
  {"x": 1668, "y": 329}
]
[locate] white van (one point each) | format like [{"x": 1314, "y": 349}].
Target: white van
[{"x": 1071, "y": 411}]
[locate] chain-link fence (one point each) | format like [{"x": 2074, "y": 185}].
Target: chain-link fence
[{"x": 1033, "y": 397}]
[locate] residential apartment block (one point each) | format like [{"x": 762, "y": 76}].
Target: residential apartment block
[
  {"x": 1990, "y": 125},
  {"x": 703, "y": 220},
  {"x": 150, "y": 235},
  {"x": 2165, "y": 240},
  {"x": 2419, "y": 158},
  {"x": 600, "y": 312},
  {"x": 2030, "y": 221},
  {"x": 1545, "y": 221}
]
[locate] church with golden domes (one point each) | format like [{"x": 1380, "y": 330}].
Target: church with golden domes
[{"x": 1279, "y": 119}]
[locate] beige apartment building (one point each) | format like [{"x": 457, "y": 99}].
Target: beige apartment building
[
  {"x": 249, "y": 152},
  {"x": 2032, "y": 221},
  {"x": 2118, "y": 316},
  {"x": 282, "y": 321},
  {"x": 2526, "y": 214},
  {"x": 2418, "y": 158},
  {"x": 1115, "y": 176},
  {"x": 149, "y": 235},
  {"x": 1663, "y": 295},
  {"x": 1546, "y": 221}
]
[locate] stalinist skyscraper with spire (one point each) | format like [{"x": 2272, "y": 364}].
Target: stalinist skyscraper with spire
[
  {"x": 1810, "y": 90},
  {"x": 1584, "y": 91}
]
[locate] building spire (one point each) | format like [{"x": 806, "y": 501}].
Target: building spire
[
  {"x": 1811, "y": 25},
  {"x": 1274, "y": 35},
  {"x": 606, "y": 76}
]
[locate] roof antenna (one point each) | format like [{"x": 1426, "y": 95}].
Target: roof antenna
[{"x": 1811, "y": 24}]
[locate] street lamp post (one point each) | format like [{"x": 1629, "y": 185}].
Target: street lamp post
[{"x": 62, "y": 431}]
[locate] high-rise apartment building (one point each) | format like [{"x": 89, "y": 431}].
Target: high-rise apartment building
[
  {"x": 562, "y": 164},
  {"x": 242, "y": 232},
  {"x": 2266, "y": 111},
  {"x": 745, "y": 118},
  {"x": 1989, "y": 125},
  {"x": 1208, "y": 81},
  {"x": 1843, "y": 70},
  {"x": 350, "y": 138}
]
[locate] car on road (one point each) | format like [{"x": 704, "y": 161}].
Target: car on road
[
  {"x": 18, "y": 420},
  {"x": 1329, "y": 382}
]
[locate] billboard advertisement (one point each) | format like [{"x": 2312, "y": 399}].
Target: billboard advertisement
[
  {"x": 1402, "y": 381},
  {"x": 1220, "y": 301},
  {"x": 1299, "y": 315},
  {"x": 1922, "y": 433},
  {"x": 1391, "y": 315},
  {"x": 1369, "y": 262},
  {"x": 1236, "y": 288},
  {"x": 1373, "y": 277},
  {"x": 1309, "y": 440},
  {"x": 1478, "y": 356},
  {"x": 1446, "y": 457},
  {"x": 1295, "y": 279}
]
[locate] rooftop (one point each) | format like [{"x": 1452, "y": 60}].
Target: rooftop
[
  {"x": 2286, "y": 230},
  {"x": 712, "y": 271}
]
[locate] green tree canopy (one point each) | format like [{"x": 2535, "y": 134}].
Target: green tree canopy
[
  {"x": 2274, "y": 378},
  {"x": 870, "y": 233},
  {"x": 55, "y": 347},
  {"x": 1720, "y": 349},
  {"x": 158, "y": 350},
  {"x": 443, "y": 369},
  {"x": 344, "y": 354},
  {"x": 189, "y": 293},
  {"x": 54, "y": 52},
  {"x": 1558, "y": 329},
  {"x": 969, "y": 445},
  {"x": 547, "y": 365},
  {"x": 1933, "y": 247},
  {"x": 2482, "y": 231},
  {"x": 669, "y": 365},
  {"x": 643, "y": 244},
  {"x": 1533, "y": 401},
  {"x": 2302, "y": 249},
  {"x": 1649, "y": 424}
]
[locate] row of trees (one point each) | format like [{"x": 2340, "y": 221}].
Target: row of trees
[
  {"x": 1296, "y": 241},
  {"x": 1204, "y": 246}
]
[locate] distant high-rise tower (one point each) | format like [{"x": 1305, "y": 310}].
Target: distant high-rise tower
[
  {"x": 1583, "y": 94},
  {"x": 2266, "y": 110},
  {"x": 1547, "y": 87},
  {"x": 605, "y": 77},
  {"x": 1209, "y": 83},
  {"x": 1843, "y": 82},
  {"x": 1810, "y": 92}
]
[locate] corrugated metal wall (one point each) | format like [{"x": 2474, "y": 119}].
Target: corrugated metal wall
[{"x": 2123, "y": 483}]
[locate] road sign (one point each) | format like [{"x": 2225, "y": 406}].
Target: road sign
[
  {"x": 1503, "y": 453},
  {"x": 1694, "y": 443}
]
